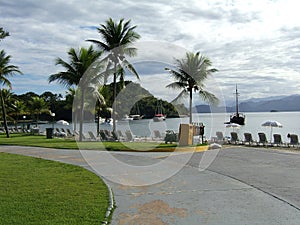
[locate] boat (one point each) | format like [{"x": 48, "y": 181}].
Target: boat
[
  {"x": 126, "y": 118},
  {"x": 137, "y": 115},
  {"x": 106, "y": 121},
  {"x": 159, "y": 116},
  {"x": 237, "y": 117}
]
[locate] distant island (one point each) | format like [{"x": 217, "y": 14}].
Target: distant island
[{"x": 276, "y": 104}]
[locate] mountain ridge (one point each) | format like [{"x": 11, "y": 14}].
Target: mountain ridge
[{"x": 275, "y": 103}]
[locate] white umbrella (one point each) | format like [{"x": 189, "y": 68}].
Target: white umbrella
[
  {"x": 62, "y": 122},
  {"x": 271, "y": 124}
]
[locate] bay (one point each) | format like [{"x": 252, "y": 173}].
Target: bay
[{"x": 212, "y": 121}]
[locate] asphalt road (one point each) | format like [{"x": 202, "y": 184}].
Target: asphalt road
[{"x": 241, "y": 186}]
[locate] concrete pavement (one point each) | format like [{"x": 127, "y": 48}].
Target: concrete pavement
[{"x": 242, "y": 186}]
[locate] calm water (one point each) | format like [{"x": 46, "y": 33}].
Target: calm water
[{"x": 213, "y": 122}]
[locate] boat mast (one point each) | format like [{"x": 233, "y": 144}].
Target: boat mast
[{"x": 236, "y": 101}]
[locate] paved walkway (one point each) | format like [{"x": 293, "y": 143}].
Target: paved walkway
[{"x": 241, "y": 186}]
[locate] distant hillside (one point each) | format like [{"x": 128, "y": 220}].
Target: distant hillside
[{"x": 285, "y": 103}]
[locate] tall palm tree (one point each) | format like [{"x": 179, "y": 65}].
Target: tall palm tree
[
  {"x": 8, "y": 98},
  {"x": 70, "y": 94},
  {"x": 6, "y": 70},
  {"x": 117, "y": 40},
  {"x": 190, "y": 74},
  {"x": 79, "y": 63}
]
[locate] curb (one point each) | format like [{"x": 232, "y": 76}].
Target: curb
[
  {"x": 182, "y": 149},
  {"x": 111, "y": 206}
]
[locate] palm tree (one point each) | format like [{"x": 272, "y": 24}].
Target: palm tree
[
  {"x": 79, "y": 63},
  {"x": 190, "y": 74},
  {"x": 18, "y": 109},
  {"x": 117, "y": 39},
  {"x": 38, "y": 106},
  {"x": 6, "y": 70},
  {"x": 8, "y": 98},
  {"x": 100, "y": 107}
]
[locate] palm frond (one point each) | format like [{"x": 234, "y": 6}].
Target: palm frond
[
  {"x": 177, "y": 85},
  {"x": 181, "y": 95},
  {"x": 130, "y": 68},
  {"x": 208, "y": 97}
]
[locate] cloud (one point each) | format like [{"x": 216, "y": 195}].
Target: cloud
[{"x": 252, "y": 43}]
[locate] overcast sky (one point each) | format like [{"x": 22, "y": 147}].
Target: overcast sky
[{"x": 254, "y": 43}]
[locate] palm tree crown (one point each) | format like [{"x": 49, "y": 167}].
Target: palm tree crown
[
  {"x": 190, "y": 74},
  {"x": 6, "y": 69},
  {"x": 117, "y": 40},
  {"x": 117, "y": 37},
  {"x": 79, "y": 62}
]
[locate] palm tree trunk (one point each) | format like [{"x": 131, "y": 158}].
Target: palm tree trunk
[
  {"x": 114, "y": 103},
  {"x": 98, "y": 121},
  {"x": 4, "y": 114},
  {"x": 81, "y": 116},
  {"x": 17, "y": 120},
  {"x": 75, "y": 121},
  {"x": 191, "y": 99}
]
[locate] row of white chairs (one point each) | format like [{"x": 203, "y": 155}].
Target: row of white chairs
[{"x": 261, "y": 141}]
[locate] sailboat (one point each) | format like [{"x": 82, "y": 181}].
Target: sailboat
[
  {"x": 159, "y": 116},
  {"x": 137, "y": 115},
  {"x": 237, "y": 117}
]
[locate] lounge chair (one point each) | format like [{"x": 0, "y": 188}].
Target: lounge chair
[
  {"x": 262, "y": 139},
  {"x": 119, "y": 136},
  {"x": 277, "y": 140},
  {"x": 110, "y": 135},
  {"x": 59, "y": 133},
  {"x": 92, "y": 136},
  {"x": 157, "y": 136},
  {"x": 248, "y": 139},
  {"x": 130, "y": 136},
  {"x": 234, "y": 138},
  {"x": 220, "y": 137},
  {"x": 105, "y": 136},
  {"x": 84, "y": 137},
  {"x": 63, "y": 132},
  {"x": 294, "y": 140},
  {"x": 69, "y": 133}
]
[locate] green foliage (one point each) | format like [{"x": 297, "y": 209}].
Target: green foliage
[
  {"x": 67, "y": 143},
  {"x": 3, "y": 33},
  {"x": 190, "y": 73},
  {"x": 38, "y": 105},
  {"x": 78, "y": 63},
  {"x": 25, "y": 104},
  {"x": 135, "y": 99}
]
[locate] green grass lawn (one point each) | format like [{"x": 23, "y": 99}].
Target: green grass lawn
[
  {"x": 37, "y": 191},
  {"x": 68, "y": 143},
  {"x": 38, "y": 141}
]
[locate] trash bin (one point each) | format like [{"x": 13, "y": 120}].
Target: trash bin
[{"x": 49, "y": 133}]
